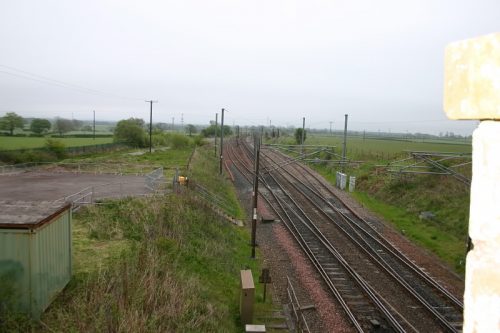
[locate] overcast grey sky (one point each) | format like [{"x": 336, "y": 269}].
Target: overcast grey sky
[{"x": 275, "y": 60}]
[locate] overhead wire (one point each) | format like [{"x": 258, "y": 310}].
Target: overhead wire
[{"x": 61, "y": 84}]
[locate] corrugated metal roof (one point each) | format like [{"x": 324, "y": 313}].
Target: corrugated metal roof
[{"x": 29, "y": 215}]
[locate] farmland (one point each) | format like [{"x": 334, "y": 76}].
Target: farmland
[
  {"x": 385, "y": 148},
  {"x": 14, "y": 143}
]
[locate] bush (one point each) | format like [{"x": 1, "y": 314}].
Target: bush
[
  {"x": 56, "y": 147},
  {"x": 16, "y": 157},
  {"x": 131, "y": 132},
  {"x": 178, "y": 141},
  {"x": 199, "y": 140}
]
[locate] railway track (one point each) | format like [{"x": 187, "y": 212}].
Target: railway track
[
  {"x": 343, "y": 273},
  {"x": 444, "y": 306}
]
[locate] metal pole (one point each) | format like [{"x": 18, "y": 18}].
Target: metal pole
[
  {"x": 94, "y": 124},
  {"x": 303, "y": 132},
  {"x": 221, "y": 140},
  {"x": 150, "y": 122},
  {"x": 255, "y": 192},
  {"x": 150, "y": 125},
  {"x": 215, "y": 134},
  {"x": 345, "y": 144}
]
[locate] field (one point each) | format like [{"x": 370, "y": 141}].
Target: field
[
  {"x": 13, "y": 143},
  {"x": 372, "y": 148}
]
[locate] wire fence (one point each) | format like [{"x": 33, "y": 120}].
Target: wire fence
[
  {"x": 154, "y": 183},
  {"x": 80, "y": 167}
]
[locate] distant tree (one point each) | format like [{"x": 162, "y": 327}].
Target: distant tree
[
  {"x": 39, "y": 125},
  {"x": 130, "y": 131},
  {"x": 11, "y": 121},
  {"x": 87, "y": 128},
  {"x": 298, "y": 135},
  {"x": 63, "y": 126},
  {"x": 190, "y": 129},
  {"x": 77, "y": 124},
  {"x": 210, "y": 130}
]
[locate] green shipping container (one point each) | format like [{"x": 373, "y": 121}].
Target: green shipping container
[{"x": 35, "y": 254}]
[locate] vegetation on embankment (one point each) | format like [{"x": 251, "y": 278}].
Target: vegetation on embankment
[
  {"x": 400, "y": 200},
  {"x": 159, "y": 264},
  {"x": 171, "y": 266},
  {"x": 12, "y": 142}
]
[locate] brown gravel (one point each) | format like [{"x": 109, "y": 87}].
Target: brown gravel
[
  {"x": 284, "y": 257},
  {"x": 331, "y": 315},
  {"x": 426, "y": 260}
]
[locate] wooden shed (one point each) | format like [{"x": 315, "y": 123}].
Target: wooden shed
[{"x": 35, "y": 254}]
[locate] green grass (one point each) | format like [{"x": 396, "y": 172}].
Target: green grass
[
  {"x": 444, "y": 244},
  {"x": 160, "y": 264},
  {"x": 384, "y": 149},
  {"x": 205, "y": 171},
  {"x": 169, "y": 159},
  {"x": 11, "y": 143}
]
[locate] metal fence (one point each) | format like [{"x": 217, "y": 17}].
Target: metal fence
[
  {"x": 154, "y": 183},
  {"x": 155, "y": 180},
  {"x": 80, "y": 167},
  {"x": 213, "y": 198}
]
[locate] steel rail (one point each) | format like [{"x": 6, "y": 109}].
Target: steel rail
[
  {"x": 381, "y": 261},
  {"x": 319, "y": 236},
  {"x": 301, "y": 242},
  {"x": 379, "y": 304},
  {"x": 381, "y": 238}
]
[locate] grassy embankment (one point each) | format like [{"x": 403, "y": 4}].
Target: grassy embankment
[
  {"x": 162, "y": 264},
  {"x": 12, "y": 142},
  {"x": 400, "y": 200}
]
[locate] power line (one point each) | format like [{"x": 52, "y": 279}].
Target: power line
[{"x": 61, "y": 84}]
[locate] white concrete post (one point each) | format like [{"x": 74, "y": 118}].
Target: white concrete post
[{"x": 472, "y": 91}]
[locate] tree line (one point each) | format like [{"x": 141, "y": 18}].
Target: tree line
[{"x": 11, "y": 121}]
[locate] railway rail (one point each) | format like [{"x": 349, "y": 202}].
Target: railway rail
[{"x": 300, "y": 202}]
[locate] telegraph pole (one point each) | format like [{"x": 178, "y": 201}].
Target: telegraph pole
[
  {"x": 221, "y": 140},
  {"x": 256, "y": 146},
  {"x": 331, "y": 122},
  {"x": 150, "y": 122},
  {"x": 215, "y": 134},
  {"x": 345, "y": 144},
  {"x": 303, "y": 133},
  {"x": 94, "y": 124}
]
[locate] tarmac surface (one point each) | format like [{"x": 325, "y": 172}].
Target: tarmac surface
[{"x": 49, "y": 186}]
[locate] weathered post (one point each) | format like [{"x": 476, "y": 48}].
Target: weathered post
[
  {"x": 255, "y": 193},
  {"x": 303, "y": 133},
  {"x": 472, "y": 91},
  {"x": 221, "y": 142},
  {"x": 344, "y": 146},
  {"x": 215, "y": 135}
]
